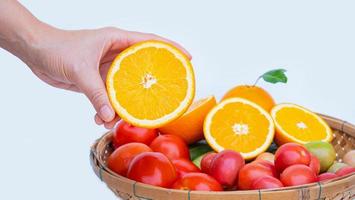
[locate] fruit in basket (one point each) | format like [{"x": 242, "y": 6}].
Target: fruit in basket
[
  {"x": 206, "y": 162},
  {"x": 150, "y": 84},
  {"x": 152, "y": 168},
  {"x": 199, "y": 149},
  {"x": 120, "y": 159},
  {"x": 240, "y": 125},
  {"x": 125, "y": 133},
  {"x": 298, "y": 175},
  {"x": 252, "y": 93},
  {"x": 314, "y": 164},
  {"x": 225, "y": 167},
  {"x": 184, "y": 166},
  {"x": 325, "y": 153},
  {"x": 345, "y": 171},
  {"x": 297, "y": 124},
  {"x": 266, "y": 182},
  {"x": 257, "y": 94},
  {"x": 197, "y": 181},
  {"x": 327, "y": 176},
  {"x": 291, "y": 154},
  {"x": 266, "y": 156},
  {"x": 190, "y": 125},
  {"x": 171, "y": 145},
  {"x": 250, "y": 172},
  {"x": 269, "y": 165},
  {"x": 349, "y": 158},
  {"x": 336, "y": 166}
]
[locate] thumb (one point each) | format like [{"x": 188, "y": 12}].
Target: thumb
[{"x": 91, "y": 83}]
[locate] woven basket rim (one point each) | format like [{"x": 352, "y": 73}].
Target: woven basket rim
[{"x": 335, "y": 123}]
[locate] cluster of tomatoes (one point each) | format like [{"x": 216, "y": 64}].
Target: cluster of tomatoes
[{"x": 164, "y": 160}]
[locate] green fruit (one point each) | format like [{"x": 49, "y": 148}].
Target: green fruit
[
  {"x": 197, "y": 160},
  {"x": 325, "y": 153},
  {"x": 198, "y": 149},
  {"x": 336, "y": 166}
]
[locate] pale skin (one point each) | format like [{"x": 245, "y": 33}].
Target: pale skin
[{"x": 75, "y": 60}]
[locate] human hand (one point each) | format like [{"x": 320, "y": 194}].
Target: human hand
[{"x": 79, "y": 60}]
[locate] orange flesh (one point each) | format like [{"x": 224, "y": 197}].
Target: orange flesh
[
  {"x": 163, "y": 92},
  {"x": 242, "y": 114},
  {"x": 306, "y": 129}
]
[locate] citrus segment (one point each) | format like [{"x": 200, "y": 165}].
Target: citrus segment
[
  {"x": 240, "y": 125},
  {"x": 150, "y": 84},
  {"x": 297, "y": 124},
  {"x": 190, "y": 125}
]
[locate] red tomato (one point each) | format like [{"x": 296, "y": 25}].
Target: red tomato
[
  {"x": 345, "y": 171},
  {"x": 152, "y": 168},
  {"x": 197, "y": 181},
  {"x": 266, "y": 182},
  {"x": 269, "y": 165},
  {"x": 315, "y": 164},
  {"x": 172, "y": 146},
  {"x": 225, "y": 167},
  {"x": 120, "y": 159},
  {"x": 291, "y": 154},
  {"x": 206, "y": 162},
  {"x": 184, "y": 166},
  {"x": 250, "y": 172},
  {"x": 297, "y": 175},
  {"x": 126, "y": 133},
  {"x": 327, "y": 176}
]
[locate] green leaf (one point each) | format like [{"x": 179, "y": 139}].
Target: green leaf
[{"x": 275, "y": 76}]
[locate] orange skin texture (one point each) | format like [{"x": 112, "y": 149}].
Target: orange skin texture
[
  {"x": 252, "y": 93},
  {"x": 120, "y": 159},
  {"x": 172, "y": 146},
  {"x": 190, "y": 126},
  {"x": 197, "y": 181},
  {"x": 152, "y": 168},
  {"x": 184, "y": 166}
]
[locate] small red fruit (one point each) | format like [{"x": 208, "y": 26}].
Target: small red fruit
[
  {"x": 152, "y": 168},
  {"x": 225, "y": 167},
  {"x": 206, "y": 162},
  {"x": 172, "y": 146},
  {"x": 297, "y": 175},
  {"x": 345, "y": 171},
  {"x": 250, "y": 172},
  {"x": 315, "y": 164},
  {"x": 120, "y": 159},
  {"x": 197, "y": 181},
  {"x": 291, "y": 154},
  {"x": 184, "y": 166},
  {"x": 126, "y": 133},
  {"x": 266, "y": 182},
  {"x": 269, "y": 165},
  {"x": 327, "y": 176}
]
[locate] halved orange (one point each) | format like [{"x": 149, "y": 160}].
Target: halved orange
[
  {"x": 297, "y": 124},
  {"x": 240, "y": 125},
  {"x": 190, "y": 125},
  {"x": 150, "y": 84}
]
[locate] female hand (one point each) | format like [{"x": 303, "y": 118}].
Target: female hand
[{"x": 79, "y": 60}]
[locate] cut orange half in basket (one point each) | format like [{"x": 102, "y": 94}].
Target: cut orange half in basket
[
  {"x": 240, "y": 125},
  {"x": 150, "y": 84},
  {"x": 190, "y": 125},
  {"x": 297, "y": 124}
]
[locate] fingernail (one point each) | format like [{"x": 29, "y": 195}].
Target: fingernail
[{"x": 106, "y": 113}]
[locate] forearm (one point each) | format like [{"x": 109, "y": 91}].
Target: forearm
[{"x": 19, "y": 29}]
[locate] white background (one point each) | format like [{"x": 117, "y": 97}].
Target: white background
[{"x": 45, "y": 133}]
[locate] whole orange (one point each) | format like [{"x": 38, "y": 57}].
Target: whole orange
[{"x": 252, "y": 93}]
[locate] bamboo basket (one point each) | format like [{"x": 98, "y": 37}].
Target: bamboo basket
[{"x": 340, "y": 189}]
